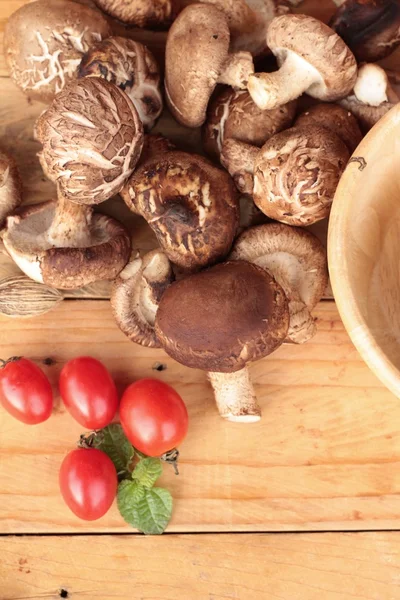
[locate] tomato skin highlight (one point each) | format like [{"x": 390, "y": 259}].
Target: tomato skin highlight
[
  {"x": 88, "y": 392},
  {"x": 88, "y": 483},
  {"x": 25, "y": 391},
  {"x": 153, "y": 416}
]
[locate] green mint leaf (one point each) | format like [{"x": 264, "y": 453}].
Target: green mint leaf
[
  {"x": 128, "y": 497},
  {"x": 113, "y": 442},
  {"x": 147, "y": 471},
  {"x": 154, "y": 510}
]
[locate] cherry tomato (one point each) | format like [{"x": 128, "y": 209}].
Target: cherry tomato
[
  {"x": 88, "y": 392},
  {"x": 153, "y": 416},
  {"x": 88, "y": 483},
  {"x": 25, "y": 391}
]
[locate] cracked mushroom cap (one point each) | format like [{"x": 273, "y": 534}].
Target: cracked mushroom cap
[
  {"x": 233, "y": 114},
  {"x": 44, "y": 42},
  {"x": 10, "y": 186},
  {"x": 297, "y": 261},
  {"x": 191, "y": 205},
  {"x": 312, "y": 59},
  {"x": 335, "y": 118},
  {"x": 222, "y": 318},
  {"x": 141, "y": 13},
  {"x": 296, "y": 174},
  {"x": 92, "y": 138},
  {"x": 369, "y": 27},
  {"x": 136, "y": 294},
  {"x": 70, "y": 263},
  {"x": 133, "y": 68},
  {"x": 195, "y": 57}
]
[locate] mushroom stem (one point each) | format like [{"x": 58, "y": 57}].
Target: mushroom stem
[
  {"x": 270, "y": 90},
  {"x": 339, "y": 2},
  {"x": 239, "y": 159},
  {"x": 70, "y": 227},
  {"x": 302, "y": 325},
  {"x": 237, "y": 69},
  {"x": 373, "y": 87},
  {"x": 235, "y": 396}
]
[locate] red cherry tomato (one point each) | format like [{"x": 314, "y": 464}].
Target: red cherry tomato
[
  {"x": 88, "y": 483},
  {"x": 88, "y": 392},
  {"x": 25, "y": 391},
  {"x": 153, "y": 416}
]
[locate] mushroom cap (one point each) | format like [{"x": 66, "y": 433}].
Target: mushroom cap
[
  {"x": 335, "y": 118},
  {"x": 239, "y": 160},
  {"x": 191, "y": 205},
  {"x": 142, "y": 13},
  {"x": 233, "y": 114},
  {"x": 44, "y": 42},
  {"x": 196, "y": 51},
  {"x": 10, "y": 186},
  {"x": 220, "y": 319},
  {"x": 318, "y": 45},
  {"x": 369, "y": 27},
  {"x": 136, "y": 294},
  {"x": 293, "y": 256},
  {"x": 365, "y": 114},
  {"x": 26, "y": 242},
  {"x": 130, "y": 66},
  {"x": 92, "y": 138},
  {"x": 296, "y": 174}
]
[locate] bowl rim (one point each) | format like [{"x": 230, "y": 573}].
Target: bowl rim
[{"x": 338, "y": 262}]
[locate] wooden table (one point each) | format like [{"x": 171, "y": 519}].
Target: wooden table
[{"x": 304, "y": 505}]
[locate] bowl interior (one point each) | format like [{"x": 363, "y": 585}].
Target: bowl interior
[{"x": 364, "y": 249}]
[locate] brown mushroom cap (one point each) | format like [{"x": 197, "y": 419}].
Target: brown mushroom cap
[
  {"x": 44, "y": 43},
  {"x": 196, "y": 55},
  {"x": 296, "y": 174},
  {"x": 92, "y": 139},
  {"x": 65, "y": 262},
  {"x": 190, "y": 204},
  {"x": 136, "y": 294},
  {"x": 297, "y": 261},
  {"x": 335, "y": 118},
  {"x": 233, "y": 114},
  {"x": 369, "y": 27},
  {"x": 222, "y": 318},
  {"x": 141, "y": 13},
  {"x": 130, "y": 66},
  {"x": 239, "y": 160},
  {"x": 10, "y": 186},
  {"x": 312, "y": 59}
]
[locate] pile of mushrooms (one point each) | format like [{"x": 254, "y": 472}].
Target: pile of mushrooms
[{"x": 219, "y": 292}]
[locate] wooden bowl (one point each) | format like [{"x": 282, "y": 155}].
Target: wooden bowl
[{"x": 364, "y": 249}]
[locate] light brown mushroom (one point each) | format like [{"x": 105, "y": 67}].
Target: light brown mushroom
[
  {"x": 190, "y": 204},
  {"x": 372, "y": 96},
  {"x": 197, "y": 58},
  {"x": 369, "y": 27},
  {"x": 136, "y": 294},
  {"x": 233, "y": 114},
  {"x": 92, "y": 138},
  {"x": 141, "y": 13},
  {"x": 335, "y": 118},
  {"x": 295, "y": 174},
  {"x": 219, "y": 320},
  {"x": 65, "y": 245},
  {"x": 44, "y": 42},
  {"x": 297, "y": 261},
  {"x": 10, "y": 186},
  {"x": 312, "y": 59},
  {"x": 133, "y": 68}
]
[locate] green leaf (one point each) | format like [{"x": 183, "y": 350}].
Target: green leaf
[
  {"x": 154, "y": 510},
  {"x": 148, "y": 510},
  {"x": 147, "y": 471},
  {"x": 113, "y": 442}
]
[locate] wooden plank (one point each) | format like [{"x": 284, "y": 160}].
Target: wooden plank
[
  {"x": 326, "y": 454},
  {"x": 363, "y": 566}
]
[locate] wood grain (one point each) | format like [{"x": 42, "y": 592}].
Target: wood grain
[
  {"x": 363, "y": 566},
  {"x": 326, "y": 454}
]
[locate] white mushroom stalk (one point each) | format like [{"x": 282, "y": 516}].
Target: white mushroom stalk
[
  {"x": 235, "y": 396},
  {"x": 70, "y": 227},
  {"x": 236, "y": 70}
]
